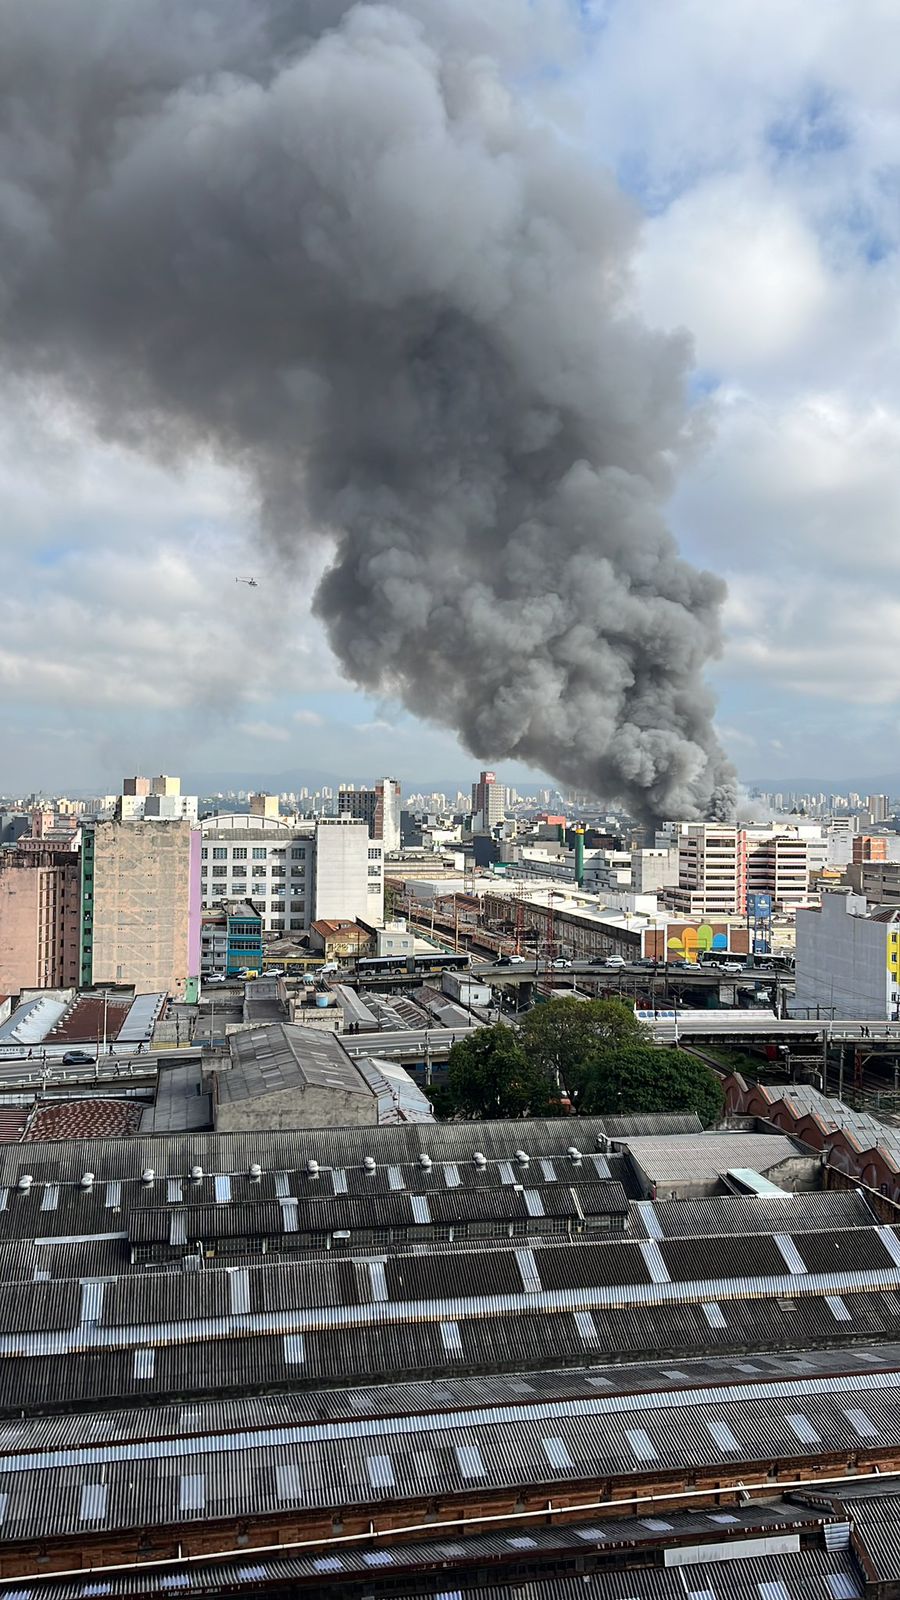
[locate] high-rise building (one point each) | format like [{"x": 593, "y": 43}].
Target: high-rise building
[
  {"x": 878, "y": 807},
  {"x": 293, "y": 874},
  {"x": 40, "y": 898},
  {"x": 488, "y": 803},
  {"x": 378, "y": 808},
  {"x": 712, "y": 870},
  {"x": 140, "y": 910}
]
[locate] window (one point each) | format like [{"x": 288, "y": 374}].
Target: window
[
  {"x": 259, "y": 872},
  {"x": 239, "y": 853},
  {"x": 374, "y": 872},
  {"x": 220, "y": 853},
  {"x": 374, "y": 855},
  {"x": 298, "y": 872},
  {"x": 259, "y": 852},
  {"x": 278, "y": 922},
  {"x": 298, "y": 853},
  {"x": 298, "y": 905},
  {"x": 204, "y": 853},
  {"x": 278, "y": 872},
  {"x": 296, "y": 922},
  {"x": 239, "y": 870},
  {"x": 219, "y": 872}
]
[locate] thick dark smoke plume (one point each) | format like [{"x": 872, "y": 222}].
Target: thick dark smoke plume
[{"x": 335, "y": 245}]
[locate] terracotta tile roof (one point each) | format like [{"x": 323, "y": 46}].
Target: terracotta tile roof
[{"x": 85, "y": 1119}]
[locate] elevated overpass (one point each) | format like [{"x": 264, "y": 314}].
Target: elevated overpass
[{"x": 749, "y": 1027}]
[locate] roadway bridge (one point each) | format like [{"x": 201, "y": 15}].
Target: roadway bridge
[{"x": 648, "y": 974}]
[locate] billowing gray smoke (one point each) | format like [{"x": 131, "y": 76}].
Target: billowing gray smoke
[{"x": 332, "y": 243}]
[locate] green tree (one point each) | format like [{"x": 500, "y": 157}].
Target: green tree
[
  {"x": 490, "y": 1075},
  {"x": 641, "y": 1078},
  {"x": 562, "y": 1038}
]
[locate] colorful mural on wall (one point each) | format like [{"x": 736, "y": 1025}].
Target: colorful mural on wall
[{"x": 687, "y": 941}]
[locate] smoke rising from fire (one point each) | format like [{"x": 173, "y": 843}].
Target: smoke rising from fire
[{"x": 340, "y": 246}]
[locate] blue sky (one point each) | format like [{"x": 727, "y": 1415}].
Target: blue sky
[{"x": 761, "y": 140}]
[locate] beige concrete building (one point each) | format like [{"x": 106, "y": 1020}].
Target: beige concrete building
[{"x": 141, "y": 905}]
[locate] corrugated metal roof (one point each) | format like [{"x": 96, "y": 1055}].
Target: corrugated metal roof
[{"x": 359, "y": 1461}]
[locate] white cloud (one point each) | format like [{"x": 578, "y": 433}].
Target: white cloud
[
  {"x": 308, "y": 719},
  {"x": 268, "y": 731},
  {"x": 734, "y": 263}
]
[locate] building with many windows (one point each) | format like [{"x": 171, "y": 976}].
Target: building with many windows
[
  {"x": 378, "y": 808},
  {"x": 40, "y": 898},
  {"x": 292, "y": 875},
  {"x": 488, "y": 802},
  {"x": 712, "y": 870}
]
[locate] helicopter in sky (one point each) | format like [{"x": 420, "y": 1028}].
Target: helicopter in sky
[{"x": 250, "y": 582}]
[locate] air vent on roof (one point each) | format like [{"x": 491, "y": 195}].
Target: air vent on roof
[
  {"x": 255, "y": 1171},
  {"x": 25, "y": 1182},
  {"x": 148, "y": 1175},
  {"x": 312, "y": 1168},
  {"x": 87, "y": 1180},
  {"x": 369, "y": 1163},
  {"x": 479, "y": 1159},
  {"x": 575, "y": 1154},
  {"x": 196, "y": 1173},
  {"x": 425, "y": 1161},
  {"x": 522, "y": 1158}
]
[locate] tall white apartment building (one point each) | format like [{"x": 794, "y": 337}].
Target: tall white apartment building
[
  {"x": 488, "y": 803},
  {"x": 294, "y": 875},
  {"x": 712, "y": 870}
]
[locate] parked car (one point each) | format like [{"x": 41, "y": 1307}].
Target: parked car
[
  {"x": 77, "y": 1058},
  {"x": 215, "y": 977},
  {"x": 274, "y": 972}
]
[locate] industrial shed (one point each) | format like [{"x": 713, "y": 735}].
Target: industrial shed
[{"x": 287, "y": 1076}]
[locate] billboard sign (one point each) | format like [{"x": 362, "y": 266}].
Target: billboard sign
[{"x": 759, "y": 906}]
